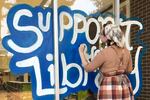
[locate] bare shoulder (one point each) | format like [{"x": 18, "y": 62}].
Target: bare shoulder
[{"x": 107, "y": 50}]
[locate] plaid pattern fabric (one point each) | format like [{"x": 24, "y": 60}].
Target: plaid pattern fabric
[{"x": 116, "y": 88}]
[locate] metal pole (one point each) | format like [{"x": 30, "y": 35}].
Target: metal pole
[
  {"x": 56, "y": 49},
  {"x": 117, "y": 11}
]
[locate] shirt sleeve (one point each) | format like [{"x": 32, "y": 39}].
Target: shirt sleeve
[{"x": 97, "y": 62}]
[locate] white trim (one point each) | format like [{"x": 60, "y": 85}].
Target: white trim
[
  {"x": 56, "y": 49},
  {"x": 117, "y": 11}
]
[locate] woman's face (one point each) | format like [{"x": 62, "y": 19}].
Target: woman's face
[{"x": 103, "y": 38}]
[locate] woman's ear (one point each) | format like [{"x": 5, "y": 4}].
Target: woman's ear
[{"x": 103, "y": 38}]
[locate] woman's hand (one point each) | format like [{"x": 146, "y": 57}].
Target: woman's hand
[{"x": 82, "y": 48}]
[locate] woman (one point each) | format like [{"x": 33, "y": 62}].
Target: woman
[{"x": 114, "y": 63}]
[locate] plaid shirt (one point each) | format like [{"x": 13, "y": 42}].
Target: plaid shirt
[{"x": 117, "y": 87}]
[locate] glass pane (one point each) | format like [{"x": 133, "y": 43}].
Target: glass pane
[
  {"x": 14, "y": 87},
  {"x": 19, "y": 86}
]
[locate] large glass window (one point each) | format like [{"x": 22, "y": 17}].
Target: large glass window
[{"x": 20, "y": 84}]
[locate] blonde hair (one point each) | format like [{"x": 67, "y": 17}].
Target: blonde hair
[{"x": 114, "y": 33}]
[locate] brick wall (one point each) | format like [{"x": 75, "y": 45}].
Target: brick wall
[{"x": 141, "y": 9}]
